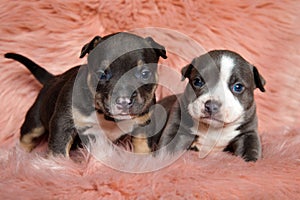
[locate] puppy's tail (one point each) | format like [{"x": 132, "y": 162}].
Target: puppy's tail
[{"x": 39, "y": 73}]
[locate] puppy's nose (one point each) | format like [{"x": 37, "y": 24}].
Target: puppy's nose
[
  {"x": 124, "y": 102},
  {"x": 212, "y": 107}
]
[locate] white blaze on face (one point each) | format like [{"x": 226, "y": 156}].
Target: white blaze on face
[{"x": 231, "y": 108}]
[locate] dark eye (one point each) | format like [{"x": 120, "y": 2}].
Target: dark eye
[
  {"x": 198, "y": 82},
  {"x": 104, "y": 76},
  {"x": 145, "y": 74},
  {"x": 238, "y": 88}
]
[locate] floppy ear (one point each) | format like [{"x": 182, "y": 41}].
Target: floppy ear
[
  {"x": 159, "y": 49},
  {"x": 90, "y": 46},
  {"x": 186, "y": 71},
  {"x": 258, "y": 80}
]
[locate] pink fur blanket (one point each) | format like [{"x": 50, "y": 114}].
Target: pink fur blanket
[{"x": 267, "y": 33}]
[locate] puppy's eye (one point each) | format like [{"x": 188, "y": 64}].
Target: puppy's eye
[
  {"x": 198, "y": 82},
  {"x": 238, "y": 88},
  {"x": 104, "y": 76},
  {"x": 145, "y": 74}
]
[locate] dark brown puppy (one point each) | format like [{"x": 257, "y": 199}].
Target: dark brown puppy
[{"x": 116, "y": 85}]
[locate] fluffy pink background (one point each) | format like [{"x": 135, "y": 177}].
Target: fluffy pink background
[{"x": 267, "y": 33}]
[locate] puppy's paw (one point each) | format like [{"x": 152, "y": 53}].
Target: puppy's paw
[
  {"x": 194, "y": 147},
  {"x": 250, "y": 157},
  {"x": 125, "y": 141},
  {"x": 140, "y": 145}
]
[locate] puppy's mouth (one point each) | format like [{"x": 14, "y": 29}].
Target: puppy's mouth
[
  {"x": 209, "y": 120},
  {"x": 217, "y": 121},
  {"x": 122, "y": 116},
  {"x": 118, "y": 115},
  {"x": 114, "y": 113}
]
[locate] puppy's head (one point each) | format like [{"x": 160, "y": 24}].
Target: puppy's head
[
  {"x": 221, "y": 85},
  {"x": 123, "y": 74}
]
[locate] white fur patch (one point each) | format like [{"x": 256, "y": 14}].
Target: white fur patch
[
  {"x": 231, "y": 107},
  {"x": 212, "y": 139},
  {"x": 226, "y": 66}
]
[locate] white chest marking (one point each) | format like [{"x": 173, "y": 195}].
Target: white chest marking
[{"x": 214, "y": 139}]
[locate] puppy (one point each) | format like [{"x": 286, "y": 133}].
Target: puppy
[
  {"x": 217, "y": 109},
  {"x": 116, "y": 85}
]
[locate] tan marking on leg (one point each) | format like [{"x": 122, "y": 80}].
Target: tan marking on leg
[
  {"x": 49, "y": 154},
  {"x": 195, "y": 145},
  {"x": 27, "y": 141},
  {"x": 68, "y": 147},
  {"x": 140, "y": 144}
]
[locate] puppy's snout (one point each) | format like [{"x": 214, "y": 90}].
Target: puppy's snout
[
  {"x": 124, "y": 102},
  {"x": 212, "y": 107}
]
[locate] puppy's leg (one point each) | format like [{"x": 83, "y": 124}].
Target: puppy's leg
[
  {"x": 62, "y": 131},
  {"x": 180, "y": 143},
  {"x": 32, "y": 129},
  {"x": 193, "y": 146},
  {"x": 61, "y": 134},
  {"x": 246, "y": 145},
  {"x": 124, "y": 141},
  {"x": 140, "y": 144},
  {"x": 176, "y": 139},
  {"x": 140, "y": 139},
  {"x": 146, "y": 137}
]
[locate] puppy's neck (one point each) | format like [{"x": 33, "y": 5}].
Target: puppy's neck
[
  {"x": 213, "y": 138},
  {"x": 113, "y": 129},
  {"x": 203, "y": 127}
]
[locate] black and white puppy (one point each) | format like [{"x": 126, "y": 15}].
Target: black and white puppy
[
  {"x": 217, "y": 110},
  {"x": 116, "y": 85}
]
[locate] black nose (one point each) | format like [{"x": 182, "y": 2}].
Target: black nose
[
  {"x": 212, "y": 107},
  {"x": 125, "y": 102}
]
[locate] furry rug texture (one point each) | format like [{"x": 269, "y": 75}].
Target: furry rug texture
[{"x": 52, "y": 32}]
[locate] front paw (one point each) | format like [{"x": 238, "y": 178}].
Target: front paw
[
  {"x": 125, "y": 142},
  {"x": 193, "y": 147},
  {"x": 251, "y": 156}
]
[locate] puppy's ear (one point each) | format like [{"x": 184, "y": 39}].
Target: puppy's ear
[
  {"x": 90, "y": 46},
  {"x": 186, "y": 71},
  {"x": 159, "y": 49},
  {"x": 258, "y": 80}
]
